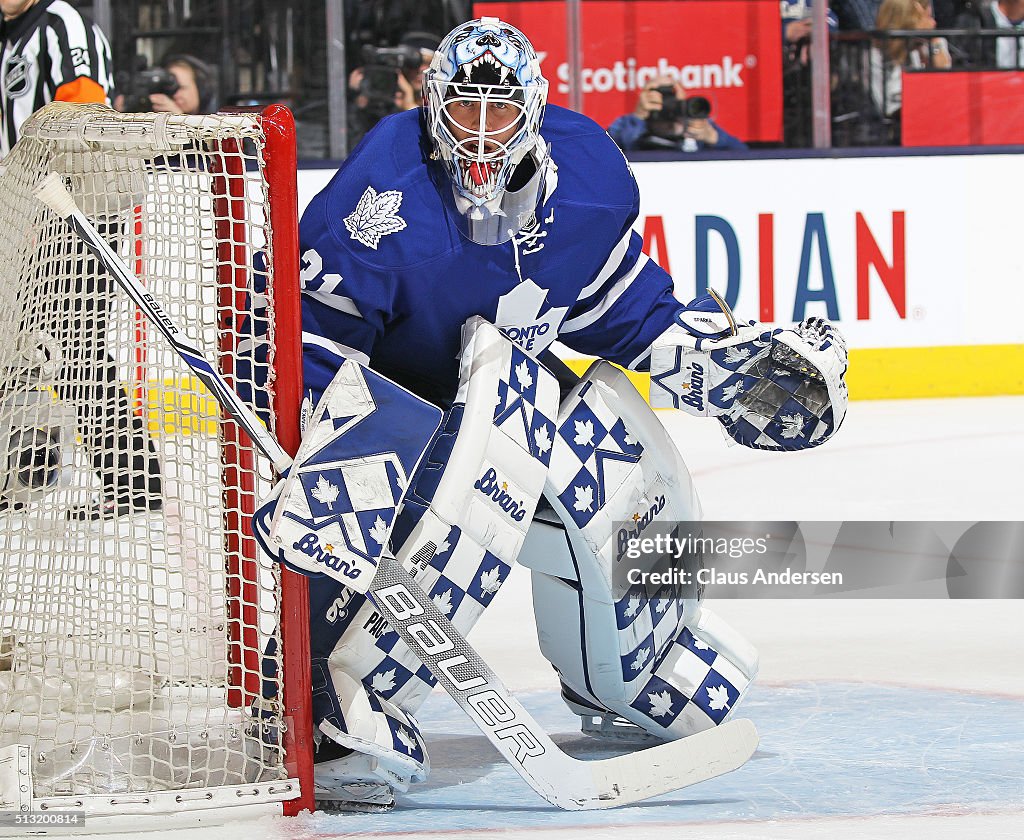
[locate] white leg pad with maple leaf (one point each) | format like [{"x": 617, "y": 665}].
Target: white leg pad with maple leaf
[
  {"x": 656, "y": 659},
  {"x": 386, "y": 741},
  {"x": 468, "y": 508}
]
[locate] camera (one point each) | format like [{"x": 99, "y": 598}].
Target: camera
[
  {"x": 381, "y": 66},
  {"x": 674, "y": 109},
  {"x": 142, "y": 83}
]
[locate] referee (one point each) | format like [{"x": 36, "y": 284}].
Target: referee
[{"x": 50, "y": 52}]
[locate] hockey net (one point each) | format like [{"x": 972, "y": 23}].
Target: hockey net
[{"x": 145, "y": 649}]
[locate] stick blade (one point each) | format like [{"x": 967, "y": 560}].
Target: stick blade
[{"x": 666, "y": 768}]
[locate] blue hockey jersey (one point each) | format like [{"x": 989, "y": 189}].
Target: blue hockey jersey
[{"x": 388, "y": 280}]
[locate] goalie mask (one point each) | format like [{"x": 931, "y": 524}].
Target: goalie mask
[{"x": 485, "y": 98}]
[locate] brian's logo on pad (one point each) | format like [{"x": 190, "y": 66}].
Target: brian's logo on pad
[
  {"x": 310, "y": 546},
  {"x": 694, "y": 395},
  {"x": 639, "y": 524},
  {"x": 498, "y": 493}
]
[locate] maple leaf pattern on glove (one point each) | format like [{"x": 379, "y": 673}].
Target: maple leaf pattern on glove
[
  {"x": 543, "y": 439},
  {"x": 490, "y": 581},
  {"x": 584, "y": 499},
  {"x": 406, "y": 739},
  {"x": 641, "y": 659},
  {"x": 584, "y": 432},
  {"x": 379, "y": 531},
  {"x": 523, "y": 375}
]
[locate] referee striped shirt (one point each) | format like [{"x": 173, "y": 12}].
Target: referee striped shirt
[{"x": 49, "y": 53}]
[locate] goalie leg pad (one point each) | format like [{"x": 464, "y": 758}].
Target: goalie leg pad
[
  {"x": 386, "y": 742},
  {"x": 693, "y": 682},
  {"x": 614, "y": 463},
  {"x": 467, "y": 512}
]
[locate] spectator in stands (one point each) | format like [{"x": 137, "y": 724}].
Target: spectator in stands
[
  {"x": 796, "y": 69},
  {"x": 890, "y": 55},
  {"x": 993, "y": 14},
  {"x": 197, "y": 88},
  {"x": 379, "y": 87},
  {"x": 664, "y": 119},
  {"x": 796, "y": 24},
  {"x": 858, "y": 15}
]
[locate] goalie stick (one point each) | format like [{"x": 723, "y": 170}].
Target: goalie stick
[{"x": 564, "y": 781}]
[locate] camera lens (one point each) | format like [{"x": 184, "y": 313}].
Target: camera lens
[{"x": 698, "y": 108}]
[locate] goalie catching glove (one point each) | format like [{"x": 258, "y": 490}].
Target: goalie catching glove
[{"x": 776, "y": 389}]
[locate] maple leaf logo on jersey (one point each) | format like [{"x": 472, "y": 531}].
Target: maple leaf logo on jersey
[
  {"x": 518, "y": 315},
  {"x": 375, "y": 216}
]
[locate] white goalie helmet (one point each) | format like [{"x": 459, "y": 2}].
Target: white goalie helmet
[{"x": 485, "y": 97}]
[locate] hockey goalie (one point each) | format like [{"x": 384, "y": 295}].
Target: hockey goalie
[{"x": 450, "y": 250}]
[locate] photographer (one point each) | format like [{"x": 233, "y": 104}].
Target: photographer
[
  {"x": 182, "y": 84},
  {"x": 664, "y": 119},
  {"x": 390, "y": 81}
]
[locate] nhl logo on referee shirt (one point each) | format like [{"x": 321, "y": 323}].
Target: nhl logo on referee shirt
[{"x": 16, "y": 77}]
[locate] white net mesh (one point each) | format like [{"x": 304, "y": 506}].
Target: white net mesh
[{"x": 134, "y": 616}]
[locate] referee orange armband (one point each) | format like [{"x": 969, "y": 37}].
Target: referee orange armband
[{"x": 82, "y": 89}]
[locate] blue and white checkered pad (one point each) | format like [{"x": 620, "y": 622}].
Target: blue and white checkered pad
[
  {"x": 693, "y": 681},
  {"x": 594, "y": 446},
  {"x": 516, "y": 412},
  {"x": 461, "y": 579},
  {"x": 646, "y": 627},
  {"x": 352, "y": 469},
  {"x": 405, "y": 732}
]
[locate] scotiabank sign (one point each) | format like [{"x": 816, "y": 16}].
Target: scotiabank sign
[{"x": 729, "y": 51}]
